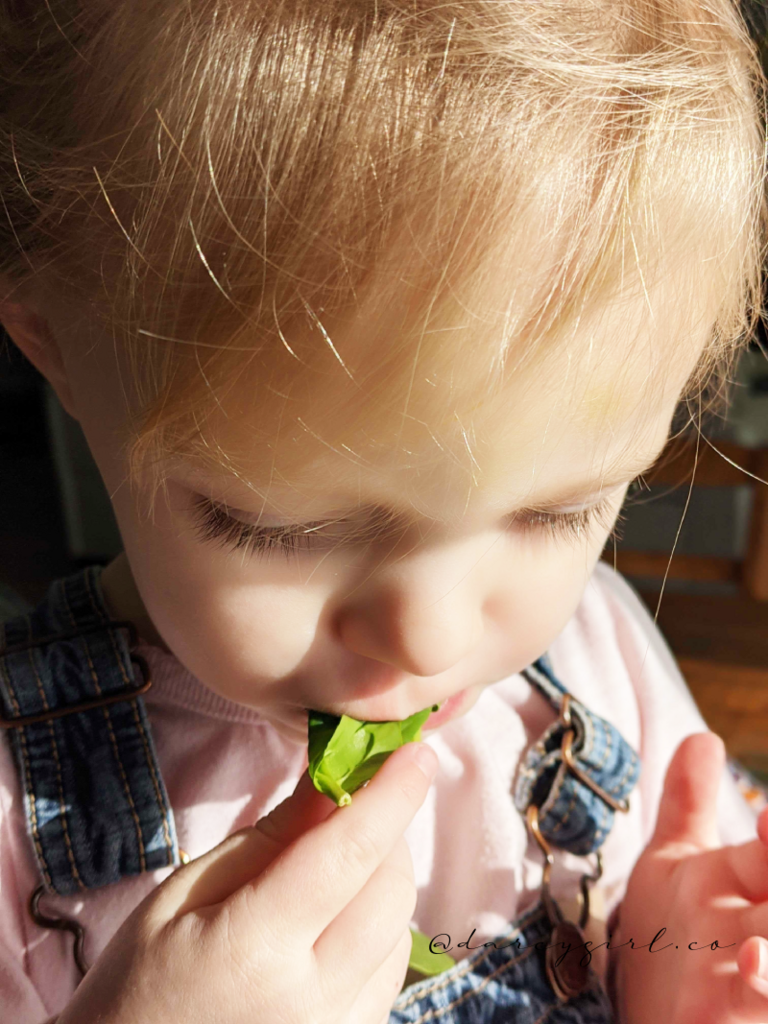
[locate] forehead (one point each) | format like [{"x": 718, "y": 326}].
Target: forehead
[{"x": 440, "y": 437}]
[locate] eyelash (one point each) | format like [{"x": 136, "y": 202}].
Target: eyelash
[{"x": 214, "y": 525}]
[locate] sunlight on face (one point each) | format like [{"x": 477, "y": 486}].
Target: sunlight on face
[{"x": 432, "y": 565}]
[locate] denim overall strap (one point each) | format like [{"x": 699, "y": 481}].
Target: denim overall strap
[
  {"x": 506, "y": 981},
  {"x": 578, "y": 774},
  {"x": 503, "y": 982},
  {"x": 95, "y": 803}
]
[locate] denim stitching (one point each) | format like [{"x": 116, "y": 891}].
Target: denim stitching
[
  {"x": 608, "y": 734},
  {"x": 631, "y": 767},
  {"x": 158, "y": 796},
  {"x": 632, "y": 763},
  {"x": 142, "y": 731},
  {"x": 63, "y": 809},
  {"x": 59, "y": 779},
  {"x": 556, "y": 1006},
  {"x": 439, "y": 1011},
  {"x": 470, "y": 963},
  {"x": 38, "y": 680},
  {"x": 27, "y": 772},
  {"x": 604, "y": 827},
  {"x": 565, "y": 817},
  {"x": 112, "y": 737},
  {"x": 545, "y": 1016}
]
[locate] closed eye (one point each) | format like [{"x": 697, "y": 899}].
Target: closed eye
[{"x": 213, "y": 524}]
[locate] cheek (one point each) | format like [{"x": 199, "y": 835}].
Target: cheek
[
  {"x": 236, "y": 623},
  {"x": 547, "y": 579}
]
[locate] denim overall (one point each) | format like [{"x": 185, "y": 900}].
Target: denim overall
[{"x": 97, "y": 810}]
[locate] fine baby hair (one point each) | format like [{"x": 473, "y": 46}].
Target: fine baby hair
[
  {"x": 224, "y": 184},
  {"x": 372, "y": 259}
]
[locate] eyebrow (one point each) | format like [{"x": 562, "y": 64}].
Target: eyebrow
[{"x": 374, "y": 514}]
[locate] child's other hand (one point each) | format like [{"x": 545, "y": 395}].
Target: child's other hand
[
  {"x": 302, "y": 919},
  {"x": 701, "y": 893}
]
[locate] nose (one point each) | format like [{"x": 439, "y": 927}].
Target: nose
[{"x": 422, "y": 614}]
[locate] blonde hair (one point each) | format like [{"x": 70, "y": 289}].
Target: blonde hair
[{"x": 211, "y": 177}]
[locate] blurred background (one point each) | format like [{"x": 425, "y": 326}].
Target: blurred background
[{"x": 55, "y": 517}]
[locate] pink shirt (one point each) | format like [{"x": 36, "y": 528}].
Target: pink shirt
[{"x": 225, "y": 767}]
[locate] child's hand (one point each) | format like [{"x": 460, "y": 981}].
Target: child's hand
[
  {"x": 302, "y": 919},
  {"x": 701, "y": 893}
]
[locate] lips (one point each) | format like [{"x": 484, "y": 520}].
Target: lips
[{"x": 446, "y": 712}]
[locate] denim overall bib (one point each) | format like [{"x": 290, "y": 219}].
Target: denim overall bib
[{"x": 97, "y": 810}]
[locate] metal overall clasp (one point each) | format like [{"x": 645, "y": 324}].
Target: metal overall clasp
[{"x": 567, "y": 970}]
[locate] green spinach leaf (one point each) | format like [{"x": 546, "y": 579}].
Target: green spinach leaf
[{"x": 345, "y": 753}]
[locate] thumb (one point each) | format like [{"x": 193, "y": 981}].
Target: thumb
[{"x": 688, "y": 809}]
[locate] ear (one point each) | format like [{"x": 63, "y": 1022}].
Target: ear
[{"x": 32, "y": 333}]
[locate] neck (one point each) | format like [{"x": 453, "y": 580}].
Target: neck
[{"x": 124, "y": 601}]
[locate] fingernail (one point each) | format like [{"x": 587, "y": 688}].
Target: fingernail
[{"x": 426, "y": 759}]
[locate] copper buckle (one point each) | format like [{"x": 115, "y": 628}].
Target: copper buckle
[
  {"x": 85, "y": 705},
  {"x": 567, "y": 753}
]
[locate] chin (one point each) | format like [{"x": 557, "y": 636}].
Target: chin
[{"x": 290, "y": 724}]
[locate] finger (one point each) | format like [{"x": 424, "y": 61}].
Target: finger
[
  {"x": 244, "y": 855},
  {"x": 762, "y": 826},
  {"x": 688, "y": 809},
  {"x": 752, "y": 919},
  {"x": 315, "y": 878},
  {"x": 749, "y": 991},
  {"x": 305, "y": 808},
  {"x": 375, "y": 999},
  {"x": 369, "y": 928},
  {"x": 749, "y": 864}
]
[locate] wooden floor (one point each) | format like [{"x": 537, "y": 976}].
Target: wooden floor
[{"x": 721, "y": 644}]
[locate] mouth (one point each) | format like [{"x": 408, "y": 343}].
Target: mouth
[{"x": 446, "y": 711}]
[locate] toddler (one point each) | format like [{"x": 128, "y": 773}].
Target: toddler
[{"x": 370, "y": 312}]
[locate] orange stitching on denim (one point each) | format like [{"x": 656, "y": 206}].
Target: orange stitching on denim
[
  {"x": 468, "y": 965},
  {"x": 155, "y": 782},
  {"x": 574, "y": 797},
  {"x": 63, "y": 809},
  {"x": 59, "y": 779},
  {"x": 608, "y": 732},
  {"x": 143, "y": 733},
  {"x": 144, "y": 738},
  {"x": 38, "y": 680},
  {"x": 110, "y": 730},
  {"x": 434, "y": 1014},
  {"x": 27, "y": 773},
  {"x": 631, "y": 766},
  {"x": 547, "y": 1014},
  {"x": 564, "y": 819},
  {"x": 126, "y": 787}
]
